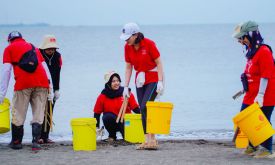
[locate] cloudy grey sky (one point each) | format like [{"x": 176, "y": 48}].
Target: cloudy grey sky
[{"x": 117, "y": 12}]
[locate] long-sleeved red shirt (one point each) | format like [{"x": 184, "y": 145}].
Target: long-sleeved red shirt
[
  {"x": 113, "y": 105},
  {"x": 260, "y": 66}
]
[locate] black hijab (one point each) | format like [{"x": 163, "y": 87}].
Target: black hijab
[{"x": 256, "y": 41}]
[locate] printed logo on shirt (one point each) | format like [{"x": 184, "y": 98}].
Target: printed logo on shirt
[
  {"x": 143, "y": 52},
  {"x": 249, "y": 65}
]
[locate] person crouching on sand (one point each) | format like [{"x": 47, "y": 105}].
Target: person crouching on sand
[
  {"x": 109, "y": 103},
  {"x": 258, "y": 78}
]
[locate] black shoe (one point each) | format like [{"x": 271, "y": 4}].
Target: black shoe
[
  {"x": 36, "y": 146},
  {"x": 16, "y": 145},
  {"x": 17, "y": 136},
  {"x": 36, "y": 132}
]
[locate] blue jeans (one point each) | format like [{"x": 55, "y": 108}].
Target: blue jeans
[{"x": 267, "y": 110}]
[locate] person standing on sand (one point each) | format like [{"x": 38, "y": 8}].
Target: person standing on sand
[
  {"x": 54, "y": 62},
  {"x": 31, "y": 87},
  {"x": 258, "y": 78},
  {"x": 142, "y": 54}
]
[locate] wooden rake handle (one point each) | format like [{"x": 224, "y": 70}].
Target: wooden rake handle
[
  {"x": 121, "y": 109},
  {"x": 51, "y": 116},
  {"x": 124, "y": 110}
]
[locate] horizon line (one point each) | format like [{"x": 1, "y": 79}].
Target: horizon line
[{"x": 106, "y": 25}]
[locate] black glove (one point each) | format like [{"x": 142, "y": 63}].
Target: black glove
[{"x": 244, "y": 82}]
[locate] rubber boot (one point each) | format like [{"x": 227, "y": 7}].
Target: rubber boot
[
  {"x": 36, "y": 133},
  {"x": 17, "y": 136}
]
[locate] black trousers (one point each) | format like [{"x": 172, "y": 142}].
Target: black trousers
[
  {"x": 45, "y": 133},
  {"x": 109, "y": 121},
  {"x": 144, "y": 94}
]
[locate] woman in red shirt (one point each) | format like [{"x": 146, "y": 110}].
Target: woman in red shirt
[
  {"x": 142, "y": 55},
  {"x": 109, "y": 103},
  {"x": 258, "y": 78}
]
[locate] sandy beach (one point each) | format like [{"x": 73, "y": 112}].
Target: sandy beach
[{"x": 170, "y": 152}]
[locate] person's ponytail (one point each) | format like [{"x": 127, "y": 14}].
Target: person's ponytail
[{"x": 140, "y": 37}]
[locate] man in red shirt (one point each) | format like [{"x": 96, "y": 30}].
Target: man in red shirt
[
  {"x": 258, "y": 77},
  {"x": 29, "y": 87}
]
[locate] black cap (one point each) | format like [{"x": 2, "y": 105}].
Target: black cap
[{"x": 13, "y": 35}]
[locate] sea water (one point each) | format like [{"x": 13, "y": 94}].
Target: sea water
[{"x": 202, "y": 65}]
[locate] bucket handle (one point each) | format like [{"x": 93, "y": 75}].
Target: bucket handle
[
  {"x": 3, "y": 110},
  {"x": 91, "y": 128},
  {"x": 158, "y": 98}
]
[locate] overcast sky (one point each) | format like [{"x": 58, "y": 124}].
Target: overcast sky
[{"x": 118, "y": 12}]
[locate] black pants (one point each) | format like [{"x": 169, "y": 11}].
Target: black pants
[
  {"x": 144, "y": 94},
  {"x": 109, "y": 121},
  {"x": 45, "y": 133}
]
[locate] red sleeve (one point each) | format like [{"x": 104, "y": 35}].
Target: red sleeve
[
  {"x": 7, "y": 56},
  {"x": 154, "y": 52},
  {"x": 60, "y": 61},
  {"x": 126, "y": 54},
  {"x": 266, "y": 63},
  {"x": 98, "y": 108},
  {"x": 132, "y": 102}
]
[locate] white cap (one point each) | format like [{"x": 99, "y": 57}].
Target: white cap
[
  {"x": 49, "y": 41},
  {"x": 108, "y": 75},
  {"x": 128, "y": 30}
]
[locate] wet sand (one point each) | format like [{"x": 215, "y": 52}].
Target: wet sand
[{"x": 172, "y": 152}]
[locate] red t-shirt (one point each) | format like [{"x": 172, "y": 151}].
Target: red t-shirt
[
  {"x": 105, "y": 104},
  {"x": 23, "y": 79},
  {"x": 143, "y": 59},
  {"x": 260, "y": 66}
]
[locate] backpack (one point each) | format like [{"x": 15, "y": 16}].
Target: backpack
[{"x": 28, "y": 61}]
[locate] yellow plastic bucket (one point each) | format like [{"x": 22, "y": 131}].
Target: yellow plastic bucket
[
  {"x": 84, "y": 134},
  {"x": 5, "y": 116},
  {"x": 158, "y": 117},
  {"x": 241, "y": 139},
  {"x": 133, "y": 130},
  {"x": 254, "y": 124}
]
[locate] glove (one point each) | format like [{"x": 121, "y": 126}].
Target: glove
[
  {"x": 100, "y": 132},
  {"x": 2, "y": 99},
  {"x": 126, "y": 92},
  {"x": 160, "y": 88},
  {"x": 56, "y": 95},
  {"x": 260, "y": 99},
  {"x": 50, "y": 96}
]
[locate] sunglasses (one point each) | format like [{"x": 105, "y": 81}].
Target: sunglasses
[{"x": 241, "y": 38}]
